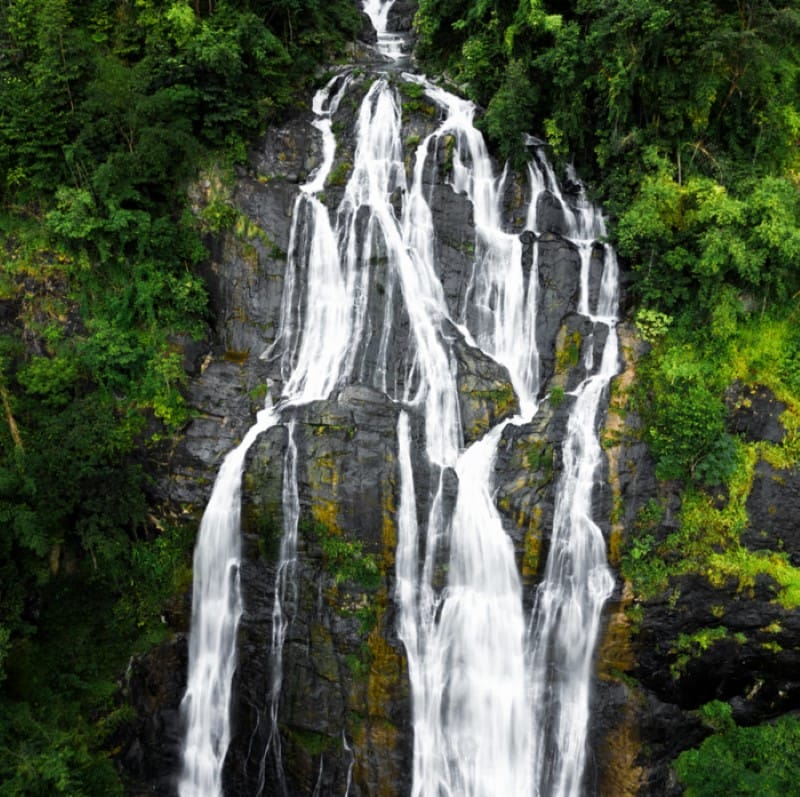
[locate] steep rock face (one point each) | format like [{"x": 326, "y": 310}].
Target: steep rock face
[
  {"x": 700, "y": 636},
  {"x": 773, "y": 508},
  {"x": 528, "y": 462},
  {"x": 485, "y": 393},
  {"x": 344, "y": 710},
  {"x": 153, "y": 686},
  {"x": 401, "y": 16},
  {"x": 344, "y": 703}
]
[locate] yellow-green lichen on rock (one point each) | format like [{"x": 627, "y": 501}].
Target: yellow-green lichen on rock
[{"x": 532, "y": 544}]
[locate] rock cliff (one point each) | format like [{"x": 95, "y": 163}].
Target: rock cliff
[{"x": 344, "y": 711}]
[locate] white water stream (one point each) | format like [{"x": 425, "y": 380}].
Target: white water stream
[
  {"x": 500, "y": 700},
  {"x": 394, "y": 46},
  {"x": 216, "y": 596}
]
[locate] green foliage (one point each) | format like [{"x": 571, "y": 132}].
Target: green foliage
[
  {"x": 56, "y": 711},
  {"x": 159, "y": 570},
  {"x": 763, "y": 760},
  {"x": 745, "y": 566},
  {"x": 690, "y": 646},
  {"x": 340, "y": 174},
  {"x": 652, "y": 324},
  {"x": 687, "y": 434},
  {"x": 687, "y": 240},
  {"x": 346, "y": 559},
  {"x": 540, "y": 456},
  {"x": 569, "y": 353},
  {"x": 556, "y": 396},
  {"x": 108, "y": 109},
  {"x": 718, "y": 716},
  {"x": 5, "y": 636},
  {"x": 641, "y": 563},
  {"x": 684, "y": 112},
  {"x": 507, "y": 119},
  {"x": 42, "y": 760}
]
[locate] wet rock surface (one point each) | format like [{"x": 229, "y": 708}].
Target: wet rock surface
[
  {"x": 150, "y": 746},
  {"x": 401, "y": 16},
  {"x": 344, "y": 711},
  {"x": 345, "y": 700},
  {"x": 755, "y": 413},
  {"x": 699, "y": 639}
]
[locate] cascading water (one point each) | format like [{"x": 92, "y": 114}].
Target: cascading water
[
  {"x": 500, "y": 701},
  {"x": 577, "y": 581},
  {"x": 216, "y": 597},
  {"x": 284, "y": 599},
  {"x": 216, "y": 609},
  {"x": 392, "y": 45}
]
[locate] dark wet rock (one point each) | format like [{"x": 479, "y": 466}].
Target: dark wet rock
[
  {"x": 743, "y": 658},
  {"x": 225, "y": 398},
  {"x": 773, "y": 509},
  {"x": 345, "y": 681},
  {"x": 528, "y": 239},
  {"x": 596, "y": 266},
  {"x": 367, "y": 34},
  {"x": 626, "y": 721},
  {"x": 526, "y": 471},
  {"x": 401, "y": 16},
  {"x": 288, "y": 151},
  {"x": 150, "y": 744},
  {"x": 755, "y": 413},
  {"x": 486, "y": 395},
  {"x": 559, "y": 286},
  {"x": 345, "y": 697},
  {"x": 550, "y": 214},
  {"x": 454, "y": 252}
]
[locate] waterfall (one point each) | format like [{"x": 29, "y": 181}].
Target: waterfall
[
  {"x": 393, "y": 46},
  {"x": 565, "y": 622},
  {"x": 500, "y": 700},
  {"x": 283, "y": 602},
  {"x": 216, "y": 597},
  {"x": 216, "y": 609}
]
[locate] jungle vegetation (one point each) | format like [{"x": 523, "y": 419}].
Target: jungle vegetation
[
  {"x": 683, "y": 118},
  {"x": 107, "y": 110}
]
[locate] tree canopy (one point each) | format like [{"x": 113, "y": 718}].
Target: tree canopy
[
  {"x": 108, "y": 109},
  {"x": 683, "y": 116}
]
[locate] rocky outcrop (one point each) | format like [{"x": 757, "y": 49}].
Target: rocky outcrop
[
  {"x": 699, "y": 635},
  {"x": 344, "y": 709},
  {"x": 526, "y": 470},
  {"x": 755, "y": 413},
  {"x": 486, "y": 395},
  {"x": 150, "y": 747},
  {"x": 345, "y": 705},
  {"x": 343, "y": 715},
  {"x": 773, "y": 509},
  {"x": 401, "y": 16}
]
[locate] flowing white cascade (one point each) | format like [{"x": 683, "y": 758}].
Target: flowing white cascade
[
  {"x": 315, "y": 330},
  {"x": 216, "y": 609},
  {"x": 466, "y": 657},
  {"x": 216, "y": 596},
  {"x": 500, "y": 702},
  {"x": 284, "y": 601},
  {"x": 577, "y": 581},
  {"x": 393, "y": 45},
  {"x": 378, "y": 173},
  {"x": 503, "y": 305},
  {"x": 465, "y": 643},
  {"x": 521, "y": 741}
]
